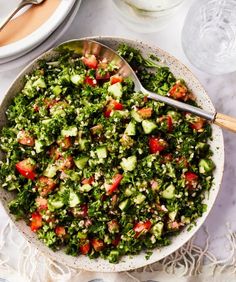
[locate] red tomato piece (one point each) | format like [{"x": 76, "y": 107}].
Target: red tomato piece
[
  {"x": 84, "y": 210},
  {"x": 41, "y": 203},
  {"x": 54, "y": 153},
  {"x": 169, "y": 123},
  {"x": 116, "y": 241},
  {"x": 26, "y": 168},
  {"x": 115, "y": 183},
  {"x": 84, "y": 249},
  {"x": 145, "y": 112},
  {"x": 178, "y": 91},
  {"x": 60, "y": 231},
  {"x": 101, "y": 72},
  {"x": 90, "y": 61},
  {"x": 90, "y": 81},
  {"x": 89, "y": 180},
  {"x": 191, "y": 179},
  {"x": 198, "y": 124},
  {"x": 117, "y": 106},
  {"x": 107, "y": 113},
  {"x": 45, "y": 185},
  {"x": 156, "y": 145},
  {"x": 116, "y": 78},
  {"x": 36, "y": 221},
  {"x": 97, "y": 244},
  {"x": 142, "y": 227},
  {"x": 65, "y": 163},
  {"x": 65, "y": 143},
  {"x": 25, "y": 138},
  {"x": 113, "y": 226}
]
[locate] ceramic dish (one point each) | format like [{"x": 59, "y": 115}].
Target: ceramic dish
[
  {"x": 13, "y": 61},
  {"x": 29, "y": 29},
  {"x": 217, "y": 146}
]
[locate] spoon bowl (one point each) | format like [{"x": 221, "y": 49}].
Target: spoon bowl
[{"x": 82, "y": 47}]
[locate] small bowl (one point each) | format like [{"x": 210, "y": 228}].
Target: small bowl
[{"x": 217, "y": 146}]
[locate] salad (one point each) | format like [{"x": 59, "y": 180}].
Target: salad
[{"x": 98, "y": 169}]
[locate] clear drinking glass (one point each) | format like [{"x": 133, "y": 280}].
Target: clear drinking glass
[
  {"x": 209, "y": 35},
  {"x": 145, "y": 15}
]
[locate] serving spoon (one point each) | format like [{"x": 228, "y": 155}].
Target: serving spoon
[
  {"x": 82, "y": 47},
  {"x": 21, "y": 5}
]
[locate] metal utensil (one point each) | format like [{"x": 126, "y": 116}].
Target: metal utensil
[
  {"x": 82, "y": 47},
  {"x": 21, "y": 5}
]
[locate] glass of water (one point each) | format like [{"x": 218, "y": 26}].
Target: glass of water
[
  {"x": 209, "y": 36},
  {"x": 145, "y": 15}
]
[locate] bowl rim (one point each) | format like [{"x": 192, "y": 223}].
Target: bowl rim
[{"x": 96, "y": 264}]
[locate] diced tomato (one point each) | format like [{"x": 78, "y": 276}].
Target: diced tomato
[
  {"x": 168, "y": 157},
  {"x": 169, "y": 123},
  {"x": 55, "y": 153},
  {"x": 84, "y": 249},
  {"x": 41, "y": 203},
  {"x": 36, "y": 221},
  {"x": 117, "y": 106},
  {"x": 107, "y": 113},
  {"x": 65, "y": 143},
  {"x": 84, "y": 210},
  {"x": 156, "y": 145},
  {"x": 97, "y": 244},
  {"x": 101, "y": 72},
  {"x": 115, "y": 183},
  {"x": 25, "y": 138},
  {"x": 90, "y": 81},
  {"x": 178, "y": 91},
  {"x": 191, "y": 179},
  {"x": 142, "y": 227},
  {"x": 89, "y": 180},
  {"x": 113, "y": 105},
  {"x": 26, "y": 168},
  {"x": 145, "y": 99},
  {"x": 65, "y": 163},
  {"x": 36, "y": 107},
  {"x": 145, "y": 112},
  {"x": 90, "y": 61},
  {"x": 60, "y": 231},
  {"x": 116, "y": 78},
  {"x": 116, "y": 241},
  {"x": 198, "y": 124},
  {"x": 45, "y": 185}
]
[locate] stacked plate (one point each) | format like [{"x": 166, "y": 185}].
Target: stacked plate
[{"x": 33, "y": 30}]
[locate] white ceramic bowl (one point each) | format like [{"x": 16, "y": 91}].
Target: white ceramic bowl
[
  {"x": 217, "y": 146},
  {"x": 27, "y": 43}
]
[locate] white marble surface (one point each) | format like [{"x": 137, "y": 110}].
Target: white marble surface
[{"x": 98, "y": 18}]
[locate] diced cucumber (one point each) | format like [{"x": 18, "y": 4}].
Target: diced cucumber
[
  {"x": 81, "y": 162},
  {"x": 129, "y": 164},
  {"x": 124, "y": 205},
  {"x": 70, "y": 131},
  {"x": 77, "y": 79},
  {"x": 101, "y": 152},
  {"x": 129, "y": 191},
  {"x": 157, "y": 229},
  {"x": 169, "y": 192},
  {"x": 85, "y": 188},
  {"x": 130, "y": 129},
  {"x": 113, "y": 256},
  {"x": 172, "y": 215},
  {"x": 39, "y": 83},
  {"x": 57, "y": 90},
  {"x": 50, "y": 171},
  {"x": 55, "y": 203},
  {"x": 83, "y": 144},
  {"x": 206, "y": 166},
  {"x": 38, "y": 146},
  {"x": 73, "y": 199},
  {"x": 148, "y": 126},
  {"x": 116, "y": 90},
  {"x": 139, "y": 199},
  {"x": 202, "y": 147},
  {"x": 136, "y": 116}
]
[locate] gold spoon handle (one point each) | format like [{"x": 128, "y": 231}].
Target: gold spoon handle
[{"x": 225, "y": 121}]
